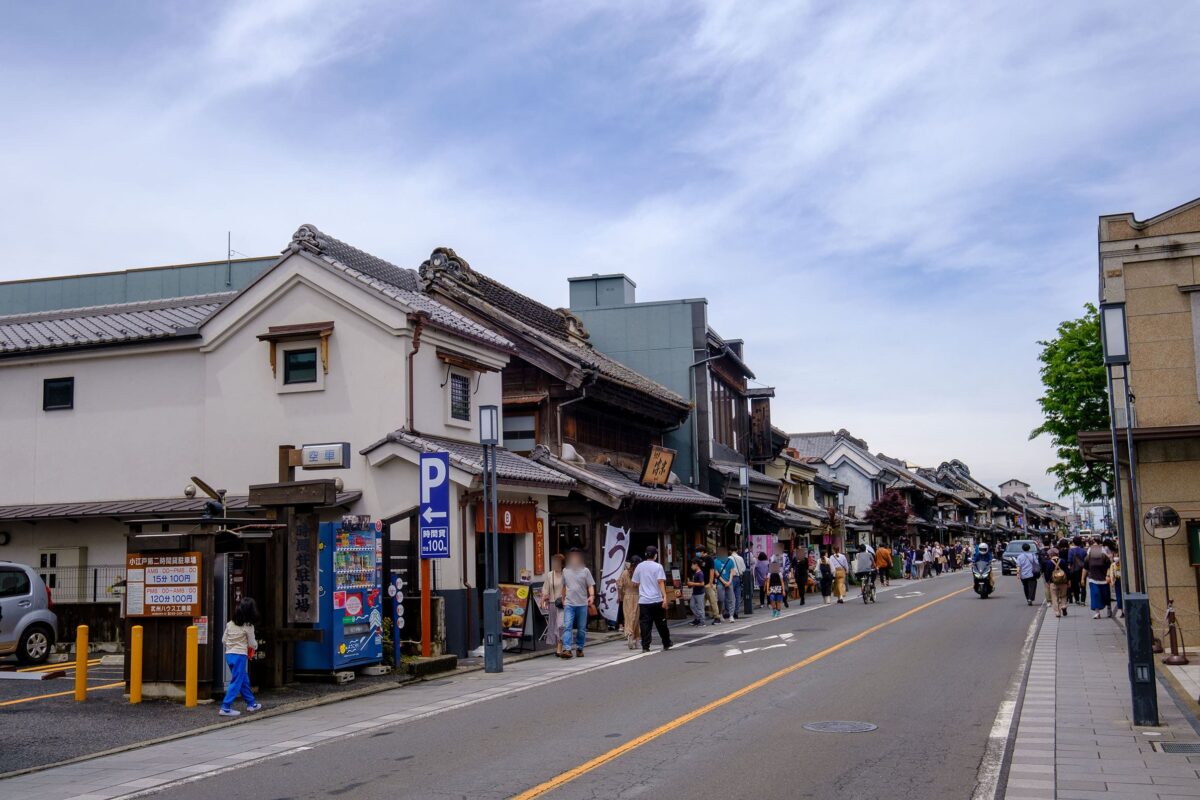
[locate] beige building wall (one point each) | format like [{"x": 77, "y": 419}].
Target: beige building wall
[{"x": 1153, "y": 266}]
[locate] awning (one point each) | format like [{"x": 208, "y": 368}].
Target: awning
[{"x": 613, "y": 486}]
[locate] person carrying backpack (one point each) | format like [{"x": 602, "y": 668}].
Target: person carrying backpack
[
  {"x": 825, "y": 577},
  {"x": 1076, "y": 556},
  {"x": 1060, "y": 583}
]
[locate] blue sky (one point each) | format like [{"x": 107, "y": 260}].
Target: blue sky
[{"x": 890, "y": 202}]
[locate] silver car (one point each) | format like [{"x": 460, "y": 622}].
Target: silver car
[{"x": 27, "y": 625}]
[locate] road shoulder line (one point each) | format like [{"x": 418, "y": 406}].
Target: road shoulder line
[{"x": 997, "y": 757}]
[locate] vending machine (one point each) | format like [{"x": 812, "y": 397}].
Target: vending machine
[{"x": 350, "y": 557}]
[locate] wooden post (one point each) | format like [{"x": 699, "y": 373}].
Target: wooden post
[{"x": 426, "y": 626}]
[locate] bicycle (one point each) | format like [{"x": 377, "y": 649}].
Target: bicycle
[{"x": 868, "y": 588}]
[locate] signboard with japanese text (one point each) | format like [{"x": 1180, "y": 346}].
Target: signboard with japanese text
[
  {"x": 332, "y": 455},
  {"x": 163, "y": 584},
  {"x": 539, "y": 548},
  {"x": 657, "y": 469},
  {"x": 433, "y": 516},
  {"x": 514, "y": 605},
  {"x": 302, "y": 580},
  {"x": 616, "y": 551}
]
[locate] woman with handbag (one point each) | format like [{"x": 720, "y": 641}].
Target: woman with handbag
[
  {"x": 627, "y": 590},
  {"x": 552, "y": 604}
]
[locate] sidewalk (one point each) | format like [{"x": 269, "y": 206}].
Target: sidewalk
[{"x": 1075, "y": 740}]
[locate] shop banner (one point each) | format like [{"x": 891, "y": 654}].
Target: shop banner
[
  {"x": 616, "y": 550},
  {"x": 761, "y": 543}
]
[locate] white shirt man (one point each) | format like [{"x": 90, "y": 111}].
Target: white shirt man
[{"x": 651, "y": 580}]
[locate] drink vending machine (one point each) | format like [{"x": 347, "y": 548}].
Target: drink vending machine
[{"x": 350, "y": 559}]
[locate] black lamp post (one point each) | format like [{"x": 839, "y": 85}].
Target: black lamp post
[
  {"x": 1138, "y": 630},
  {"x": 489, "y": 437}
]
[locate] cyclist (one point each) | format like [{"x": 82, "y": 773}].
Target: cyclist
[{"x": 864, "y": 570}]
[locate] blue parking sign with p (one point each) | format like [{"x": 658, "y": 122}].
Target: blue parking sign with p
[{"x": 434, "y": 511}]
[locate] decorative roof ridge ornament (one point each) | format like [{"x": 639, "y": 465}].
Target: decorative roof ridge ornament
[
  {"x": 444, "y": 261},
  {"x": 575, "y": 327},
  {"x": 306, "y": 237}
]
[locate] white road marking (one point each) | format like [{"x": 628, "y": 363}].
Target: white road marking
[{"x": 987, "y": 780}]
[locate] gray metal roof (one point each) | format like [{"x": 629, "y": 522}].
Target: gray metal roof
[
  {"x": 104, "y": 325},
  {"x": 134, "y": 508},
  {"x": 468, "y": 456},
  {"x": 146, "y": 284}
]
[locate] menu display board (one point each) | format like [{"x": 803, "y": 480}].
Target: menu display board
[
  {"x": 162, "y": 585},
  {"x": 514, "y": 605}
]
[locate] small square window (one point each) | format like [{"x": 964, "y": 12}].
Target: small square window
[
  {"x": 300, "y": 366},
  {"x": 460, "y": 397},
  {"x": 58, "y": 393}
]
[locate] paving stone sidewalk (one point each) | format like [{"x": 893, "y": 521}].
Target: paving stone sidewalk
[{"x": 1075, "y": 739}]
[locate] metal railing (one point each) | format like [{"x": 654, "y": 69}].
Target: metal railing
[{"x": 99, "y": 584}]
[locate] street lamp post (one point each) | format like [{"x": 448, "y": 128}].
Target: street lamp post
[
  {"x": 747, "y": 581},
  {"x": 489, "y": 437},
  {"x": 1138, "y": 629}
]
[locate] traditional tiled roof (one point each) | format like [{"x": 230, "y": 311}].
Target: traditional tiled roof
[
  {"x": 468, "y": 456},
  {"x": 121, "y": 323},
  {"x": 621, "y": 484},
  {"x": 812, "y": 445},
  {"x": 136, "y": 508},
  {"x": 391, "y": 281},
  {"x": 557, "y": 330},
  {"x": 788, "y": 517}
]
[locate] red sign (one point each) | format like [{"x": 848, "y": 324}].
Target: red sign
[
  {"x": 539, "y": 548},
  {"x": 513, "y": 517}
]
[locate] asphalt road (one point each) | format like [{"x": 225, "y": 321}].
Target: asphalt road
[{"x": 931, "y": 681}]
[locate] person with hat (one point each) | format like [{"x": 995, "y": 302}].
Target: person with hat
[{"x": 651, "y": 582}]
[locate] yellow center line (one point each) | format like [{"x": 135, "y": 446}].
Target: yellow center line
[
  {"x": 60, "y": 694},
  {"x": 600, "y": 760},
  {"x": 58, "y": 665}
]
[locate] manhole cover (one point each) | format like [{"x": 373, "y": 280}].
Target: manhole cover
[
  {"x": 840, "y": 726},
  {"x": 1188, "y": 748}
]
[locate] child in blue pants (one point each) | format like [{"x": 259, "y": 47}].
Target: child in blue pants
[{"x": 240, "y": 644}]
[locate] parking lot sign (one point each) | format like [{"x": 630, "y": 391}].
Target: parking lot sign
[{"x": 434, "y": 510}]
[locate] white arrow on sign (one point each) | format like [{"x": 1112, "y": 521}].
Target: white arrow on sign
[{"x": 430, "y": 515}]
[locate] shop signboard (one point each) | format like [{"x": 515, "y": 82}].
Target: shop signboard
[
  {"x": 302, "y": 569},
  {"x": 162, "y": 584},
  {"x": 514, "y": 605},
  {"x": 657, "y": 469}
]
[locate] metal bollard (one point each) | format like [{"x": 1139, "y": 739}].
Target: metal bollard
[
  {"x": 81, "y": 662},
  {"x": 135, "y": 664},
  {"x": 192, "y": 666}
]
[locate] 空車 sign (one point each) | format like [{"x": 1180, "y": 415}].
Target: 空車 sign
[{"x": 162, "y": 585}]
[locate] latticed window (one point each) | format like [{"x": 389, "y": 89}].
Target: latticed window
[{"x": 460, "y": 397}]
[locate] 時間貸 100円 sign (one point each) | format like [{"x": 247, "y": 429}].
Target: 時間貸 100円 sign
[{"x": 162, "y": 585}]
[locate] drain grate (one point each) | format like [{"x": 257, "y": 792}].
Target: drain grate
[
  {"x": 1179, "y": 748},
  {"x": 840, "y": 726}
]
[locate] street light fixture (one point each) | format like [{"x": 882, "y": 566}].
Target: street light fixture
[
  {"x": 489, "y": 437},
  {"x": 1139, "y": 634}
]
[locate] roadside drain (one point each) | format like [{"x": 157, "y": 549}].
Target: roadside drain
[{"x": 840, "y": 726}]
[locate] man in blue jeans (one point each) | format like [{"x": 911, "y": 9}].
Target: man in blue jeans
[
  {"x": 723, "y": 569},
  {"x": 579, "y": 593}
]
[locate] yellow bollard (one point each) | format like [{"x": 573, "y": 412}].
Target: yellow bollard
[
  {"x": 135, "y": 664},
  {"x": 81, "y": 659},
  {"x": 191, "y": 674}
]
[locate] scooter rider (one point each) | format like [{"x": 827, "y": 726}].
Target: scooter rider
[{"x": 984, "y": 553}]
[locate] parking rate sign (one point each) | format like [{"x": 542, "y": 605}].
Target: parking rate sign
[{"x": 434, "y": 512}]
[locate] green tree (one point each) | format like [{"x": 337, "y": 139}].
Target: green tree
[{"x": 1075, "y": 399}]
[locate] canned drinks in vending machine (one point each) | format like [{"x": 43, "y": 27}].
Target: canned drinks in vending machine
[{"x": 351, "y": 604}]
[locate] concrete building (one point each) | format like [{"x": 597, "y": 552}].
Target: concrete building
[{"x": 1153, "y": 267}]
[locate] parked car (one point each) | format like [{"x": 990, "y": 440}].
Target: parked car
[
  {"x": 1008, "y": 560},
  {"x": 27, "y": 622}
]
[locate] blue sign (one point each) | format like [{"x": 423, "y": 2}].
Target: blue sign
[{"x": 434, "y": 512}]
